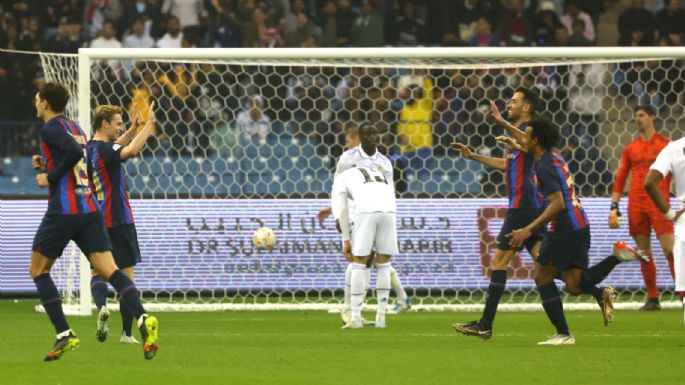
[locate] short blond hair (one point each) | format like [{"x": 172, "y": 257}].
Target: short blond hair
[{"x": 105, "y": 112}]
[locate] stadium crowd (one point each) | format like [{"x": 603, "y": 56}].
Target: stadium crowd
[{"x": 425, "y": 109}]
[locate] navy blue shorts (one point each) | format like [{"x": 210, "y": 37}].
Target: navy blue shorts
[
  {"x": 567, "y": 249},
  {"x": 56, "y": 230},
  {"x": 125, "y": 245},
  {"x": 518, "y": 219}
]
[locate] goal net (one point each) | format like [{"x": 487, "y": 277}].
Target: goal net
[{"x": 247, "y": 138}]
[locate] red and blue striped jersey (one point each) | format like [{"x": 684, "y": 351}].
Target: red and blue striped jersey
[
  {"x": 553, "y": 175},
  {"x": 70, "y": 194},
  {"x": 109, "y": 182},
  {"x": 520, "y": 174}
]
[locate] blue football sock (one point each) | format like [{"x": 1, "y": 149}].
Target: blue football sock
[
  {"x": 98, "y": 288},
  {"x": 551, "y": 302},
  {"x": 52, "y": 302},
  {"x": 498, "y": 281}
]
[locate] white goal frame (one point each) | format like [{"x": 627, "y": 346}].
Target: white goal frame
[{"x": 86, "y": 56}]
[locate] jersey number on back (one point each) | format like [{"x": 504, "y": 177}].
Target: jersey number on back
[
  {"x": 80, "y": 171},
  {"x": 372, "y": 176}
]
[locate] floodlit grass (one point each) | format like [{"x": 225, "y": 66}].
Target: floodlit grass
[{"x": 310, "y": 348}]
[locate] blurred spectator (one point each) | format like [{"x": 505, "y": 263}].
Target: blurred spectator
[
  {"x": 556, "y": 6},
  {"x": 546, "y": 24},
  {"x": 407, "y": 29},
  {"x": 190, "y": 14},
  {"x": 670, "y": 22},
  {"x": 577, "y": 38},
  {"x": 646, "y": 79},
  {"x": 483, "y": 36},
  {"x": 636, "y": 25},
  {"x": 99, "y": 11},
  {"x": 329, "y": 24},
  {"x": 107, "y": 39},
  {"x": 136, "y": 39},
  {"x": 71, "y": 9},
  {"x": 225, "y": 141},
  {"x": 586, "y": 88},
  {"x": 22, "y": 9},
  {"x": 344, "y": 22},
  {"x": 172, "y": 38},
  {"x": 414, "y": 128},
  {"x": 368, "y": 28},
  {"x": 574, "y": 13},
  {"x": 254, "y": 30},
  {"x": 65, "y": 41},
  {"x": 593, "y": 8},
  {"x": 561, "y": 37},
  {"x": 516, "y": 28},
  {"x": 303, "y": 33},
  {"x": 440, "y": 21},
  {"x": 10, "y": 39},
  {"x": 32, "y": 38},
  {"x": 252, "y": 122},
  {"x": 291, "y": 9},
  {"x": 149, "y": 10},
  {"x": 224, "y": 35}
]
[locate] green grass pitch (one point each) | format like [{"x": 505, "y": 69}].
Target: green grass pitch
[{"x": 310, "y": 348}]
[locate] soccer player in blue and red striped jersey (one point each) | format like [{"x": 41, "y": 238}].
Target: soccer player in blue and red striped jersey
[
  {"x": 72, "y": 214},
  {"x": 564, "y": 249},
  {"x": 106, "y": 153},
  {"x": 525, "y": 204}
]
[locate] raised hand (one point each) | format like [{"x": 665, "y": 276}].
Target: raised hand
[
  {"x": 463, "y": 149},
  {"x": 494, "y": 112}
]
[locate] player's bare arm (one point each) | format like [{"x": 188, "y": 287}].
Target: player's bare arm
[
  {"x": 510, "y": 143},
  {"x": 128, "y": 136},
  {"x": 554, "y": 208},
  {"x": 466, "y": 152},
  {"x": 139, "y": 141},
  {"x": 517, "y": 134},
  {"x": 651, "y": 184}
]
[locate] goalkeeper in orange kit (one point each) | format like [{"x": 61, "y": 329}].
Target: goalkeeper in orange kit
[{"x": 643, "y": 215}]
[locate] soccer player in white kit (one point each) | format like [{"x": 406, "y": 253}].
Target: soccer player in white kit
[
  {"x": 355, "y": 140},
  {"x": 370, "y": 187},
  {"x": 671, "y": 160}
]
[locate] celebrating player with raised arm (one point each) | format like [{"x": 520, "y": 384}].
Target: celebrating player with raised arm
[
  {"x": 642, "y": 213},
  {"x": 106, "y": 153},
  {"x": 73, "y": 214},
  {"x": 564, "y": 249},
  {"x": 525, "y": 204}
]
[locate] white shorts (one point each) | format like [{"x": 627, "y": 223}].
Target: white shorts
[{"x": 374, "y": 230}]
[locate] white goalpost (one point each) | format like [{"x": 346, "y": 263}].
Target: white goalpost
[{"x": 249, "y": 137}]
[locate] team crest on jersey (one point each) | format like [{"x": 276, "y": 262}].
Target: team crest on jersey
[{"x": 116, "y": 147}]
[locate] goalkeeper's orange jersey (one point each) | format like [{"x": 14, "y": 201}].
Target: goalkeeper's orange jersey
[{"x": 637, "y": 157}]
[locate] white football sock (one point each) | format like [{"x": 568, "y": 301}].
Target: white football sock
[
  {"x": 368, "y": 279},
  {"x": 64, "y": 334},
  {"x": 382, "y": 286},
  {"x": 397, "y": 286},
  {"x": 357, "y": 289},
  {"x": 141, "y": 319},
  {"x": 348, "y": 281}
]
